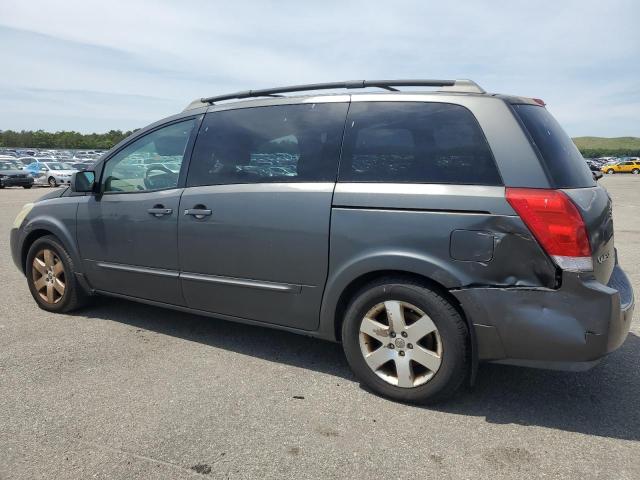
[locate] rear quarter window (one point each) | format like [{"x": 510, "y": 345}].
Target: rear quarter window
[
  {"x": 561, "y": 158},
  {"x": 415, "y": 142}
]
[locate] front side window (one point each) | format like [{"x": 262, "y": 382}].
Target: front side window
[
  {"x": 411, "y": 142},
  {"x": 151, "y": 162},
  {"x": 283, "y": 143}
]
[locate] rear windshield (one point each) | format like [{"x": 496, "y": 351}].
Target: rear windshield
[{"x": 561, "y": 157}]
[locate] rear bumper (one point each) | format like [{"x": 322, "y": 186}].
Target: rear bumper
[{"x": 568, "y": 329}]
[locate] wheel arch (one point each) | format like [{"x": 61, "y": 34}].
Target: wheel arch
[
  {"x": 361, "y": 281},
  {"x": 39, "y": 228},
  {"x": 340, "y": 290}
]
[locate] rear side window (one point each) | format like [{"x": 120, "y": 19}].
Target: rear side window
[
  {"x": 285, "y": 143},
  {"x": 412, "y": 142},
  {"x": 560, "y": 156}
]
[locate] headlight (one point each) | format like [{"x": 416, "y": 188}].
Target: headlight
[{"x": 22, "y": 215}]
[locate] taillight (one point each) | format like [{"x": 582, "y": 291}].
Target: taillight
[{"x": 557, "y": 225}]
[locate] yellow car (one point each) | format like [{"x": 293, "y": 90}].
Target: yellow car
[{"x": 631, "y": 166}]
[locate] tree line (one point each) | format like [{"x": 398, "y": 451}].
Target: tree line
[
  {"x": 104, "y": 141},
  {"x": 63, "y": 140},
  {"x": 609, "y": 152}
]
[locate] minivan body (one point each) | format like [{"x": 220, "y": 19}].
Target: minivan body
[{"x": 299, "y": 213}]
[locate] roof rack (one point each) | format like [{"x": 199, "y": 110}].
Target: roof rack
[{"x": 467, "y": 86}]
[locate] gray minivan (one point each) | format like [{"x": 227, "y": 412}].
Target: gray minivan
[{"x": 426, "y": 231}]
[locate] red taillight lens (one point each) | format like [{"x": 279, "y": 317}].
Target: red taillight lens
[{"x": 556, "y": 223}]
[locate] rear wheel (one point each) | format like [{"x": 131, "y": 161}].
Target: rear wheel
[
  {"x": 406, "y": 342},
  {"x": 51, "y": 277},
  {"x": 635, "y": 171},
  {"x": 52, "y": 182},
  {"x": 27, "y": 186}
]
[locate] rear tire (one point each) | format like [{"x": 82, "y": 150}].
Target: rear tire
[
  {"x": 27, "y": 186},
  {"x": 52, "y": 182},
  {"x": 414, "y": 367},
  {"x": 51, "y": 277},
  {"x": 635, "y": 171}
]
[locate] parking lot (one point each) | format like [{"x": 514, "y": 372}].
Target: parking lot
[{"x": 124, "y": 390}]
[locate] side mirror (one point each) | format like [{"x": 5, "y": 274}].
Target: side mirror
[
  {"x": 83, "y": 181},
  {"x": 597, "y": 175}
]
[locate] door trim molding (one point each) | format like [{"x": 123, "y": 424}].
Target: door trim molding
[
  {"x": 200, "y": 277},
  {"x": 241, "y": 282},
  {"x": 133, "y": 269}
]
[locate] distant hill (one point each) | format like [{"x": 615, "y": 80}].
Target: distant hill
[{"x": 601, "y": 146}]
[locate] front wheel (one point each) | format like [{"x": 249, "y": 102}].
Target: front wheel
[
  {"x": 406, "y": 342},
  {"x": 635, "y": 171},
  {"x": 610, "y": 171},
  {"x": 52, "y": 182},
  {"x": 50, "y": 274},
  {"x": 27, "y": 186}
]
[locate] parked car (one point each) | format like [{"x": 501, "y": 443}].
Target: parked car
[
  {"x": 10, "y": 176},
  {"x": 630, "y": 166},
  {"x": 505, "y": 255},
  {"x": 50, "y": 172}
]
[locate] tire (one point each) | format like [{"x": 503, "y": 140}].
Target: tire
[
  {"x": 27, "y": 187},
  {"x": 635, "y": 171},
  {"x": 52, "y": 182},
  {"x": 73, "y": 296},
  {"x": 1, "y": 186},
  {"x": 448, "y": 343},
  {"x": 610, "y": 171}
]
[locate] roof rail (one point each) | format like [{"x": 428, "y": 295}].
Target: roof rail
[{"x": 451, "y": 85}]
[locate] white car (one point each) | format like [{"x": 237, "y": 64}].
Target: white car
[{"x": 51, "y": 173}]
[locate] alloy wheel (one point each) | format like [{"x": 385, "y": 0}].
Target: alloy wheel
[
  {"x": 48, "y": 276},
  {"x": 400, "y": 343}
]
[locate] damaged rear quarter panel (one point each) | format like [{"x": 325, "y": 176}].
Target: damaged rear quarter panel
[{"x": 366, "y": 240}]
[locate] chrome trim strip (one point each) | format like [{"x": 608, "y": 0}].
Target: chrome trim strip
[
  {"x": 200, "y": 277},
  {"x": 273, "y": 286},
  {"x": 133, "y": 269}
]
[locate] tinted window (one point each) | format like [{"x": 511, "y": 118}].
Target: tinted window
[
  {"x": 408, "y": 142},
  {"x": 287, "y": 143},
  {"x": 561, "y": 157},
  {"x": 152, "y": 162}
]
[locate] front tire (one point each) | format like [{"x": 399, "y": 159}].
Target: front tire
[
  {"x": 52, "y": 182},
  {"x": 27, "y": 187},
  {"x": 51, "y": 276},
  {"x": 610, "y": 171},
  {"x": 406, "y": 341}
]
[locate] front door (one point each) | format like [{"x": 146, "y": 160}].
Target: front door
[
  {"x": 254, "y": 218},
  {"x": 127, "y": 233}
]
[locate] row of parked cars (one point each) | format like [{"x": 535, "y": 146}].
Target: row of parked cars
[
  {"x": 25, "y": 168},
  {"x": 611, "y": 165}
]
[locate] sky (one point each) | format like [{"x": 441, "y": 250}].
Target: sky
[{"x": 93, "y": 66}]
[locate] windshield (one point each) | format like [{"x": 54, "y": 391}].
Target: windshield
[{"x": 59, "y": 166}]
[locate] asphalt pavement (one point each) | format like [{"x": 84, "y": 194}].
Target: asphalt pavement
[{"x": 125, "y": 391}]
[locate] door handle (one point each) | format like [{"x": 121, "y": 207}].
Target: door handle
[
  {"x": 159, "y": 211},
  {"x": 199, "y": 212}
]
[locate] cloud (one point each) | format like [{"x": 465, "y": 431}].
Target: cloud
[{"x": 152, "y": 57}]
